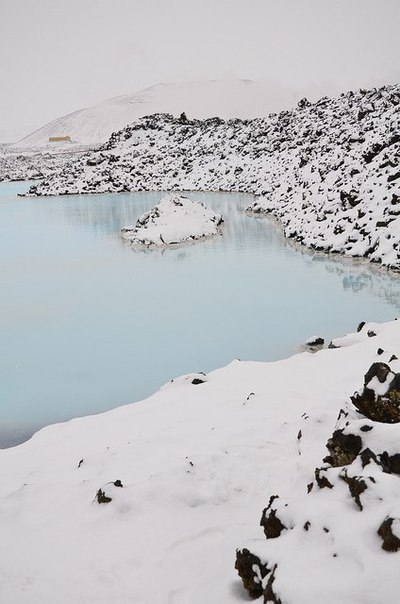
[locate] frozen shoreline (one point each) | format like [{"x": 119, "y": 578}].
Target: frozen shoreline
[{"x": 198, "y": 462}]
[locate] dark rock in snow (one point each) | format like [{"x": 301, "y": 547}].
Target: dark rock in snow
[
  {"x": 343, "y": 448},
  {"x": 251, "y": 571},
  {"x": 379, "y": 407},
  {"x": 391, "y": 543},
  {"x": 270, "y": 522}
]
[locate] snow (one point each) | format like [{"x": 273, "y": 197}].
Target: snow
[
  {"x": 176, "y": 219},
  {"x": 327, "y": 171},
  {"x": 198, "y": 462}
]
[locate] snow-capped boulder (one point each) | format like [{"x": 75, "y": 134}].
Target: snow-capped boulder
[{"x": 176, "y": 219}]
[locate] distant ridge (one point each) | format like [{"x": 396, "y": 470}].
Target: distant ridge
[{"x": 224, "y": 98}]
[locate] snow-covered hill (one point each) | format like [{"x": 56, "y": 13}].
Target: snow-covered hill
[
  {"x": 329, "y": 170},
  {"x": 147, "y": 503},
  {"x": 225, "y": 98}
]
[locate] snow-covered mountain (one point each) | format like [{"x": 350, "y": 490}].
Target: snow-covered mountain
[
  {"x": 225, "y": 98},
  {"x": 329, "y": 170}
]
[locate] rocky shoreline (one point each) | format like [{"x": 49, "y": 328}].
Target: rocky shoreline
[{"x": 329, "y": 171}]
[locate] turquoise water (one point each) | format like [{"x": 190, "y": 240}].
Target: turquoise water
[{"x": 87, "y": 324}]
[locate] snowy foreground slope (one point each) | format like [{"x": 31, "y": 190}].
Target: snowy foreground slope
[
  {"x": 329, "y": 170},
  {"x": 175, "y": 219},
  {"x": 227, "y": 98},
  {"x": 149, "y": 502}
]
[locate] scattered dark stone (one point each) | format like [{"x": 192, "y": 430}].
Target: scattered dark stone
[
  {"x": 299, "y": 435},
  {"x": 307, "y": 525},
  {"x": 380, "y": 351},
  {"x": 326, "y": 530},
  {"x": 393, "y": 358},
  {"x": 197, "y": 381},
  {"x": 390, "y": 463},
  {"x": 270, "y": 522},
  {"x": 343, "y": 448},
  {"x": 360, "y": 326},
  {"x": 118, "y": 483},
  {"x": 80, "y": 463},
  {"x": 315, "y": 342},
  {"x": 391, "y": 543},
  {"x": 349, "y": 199},
  {"x": 366, "y": 428},
  {"x": 102, "y": 497},
  {"x": 393, "y": 177},
  {"x": 310, "y": 487},
  {"x": 379, "y": 370},
  {"x": 382, "y": 408},
  {"x": 371, "y": 333},
  {"x": 270, "y": 596},
  {"x": 375, "y": 149},
  {"x": 304, "y": 102},
  {"x": 245, "y": 564},
  {"x": 367, "y": 456},
  {"x": 332, "y": 345},
  {"x": 322, "y": 481},
  {"x": 357, "y": 486}
]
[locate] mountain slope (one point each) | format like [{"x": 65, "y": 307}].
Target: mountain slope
[{"x": 225, "y": 98}]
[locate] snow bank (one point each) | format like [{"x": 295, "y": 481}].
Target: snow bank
[
  {"x": 329, "y": 171},
  {"x": 148, "y": 503},
  {"x": 176, "y": 219}
]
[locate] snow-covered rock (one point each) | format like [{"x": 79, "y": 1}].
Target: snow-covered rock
[
  {"x": 329, "y": 171},
  {"x": 175, "y": 219},
  {"x": 147, "y": 503}
]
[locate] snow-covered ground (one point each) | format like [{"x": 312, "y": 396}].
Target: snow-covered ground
[
  {"x": 175, "y": 219},
  {"x": 227, "y": 98},
  {"x": 148, "y": 503},
  {"x": 329, "y": 171},
  {"x": 36, "y": 163}
]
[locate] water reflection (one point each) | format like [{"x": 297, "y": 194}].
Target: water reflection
[{"x": 89, "y": 324}]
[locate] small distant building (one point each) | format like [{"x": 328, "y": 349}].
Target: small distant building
[{"x": 59, "y": 139}]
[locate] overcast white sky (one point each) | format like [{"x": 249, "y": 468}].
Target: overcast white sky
[{"x": 60, "y": 55}]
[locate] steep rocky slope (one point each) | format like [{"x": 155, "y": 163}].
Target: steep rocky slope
[{"x": 329, "y": 171}]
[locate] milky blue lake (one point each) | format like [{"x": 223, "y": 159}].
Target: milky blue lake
[{"x": 87, "y": 323}]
